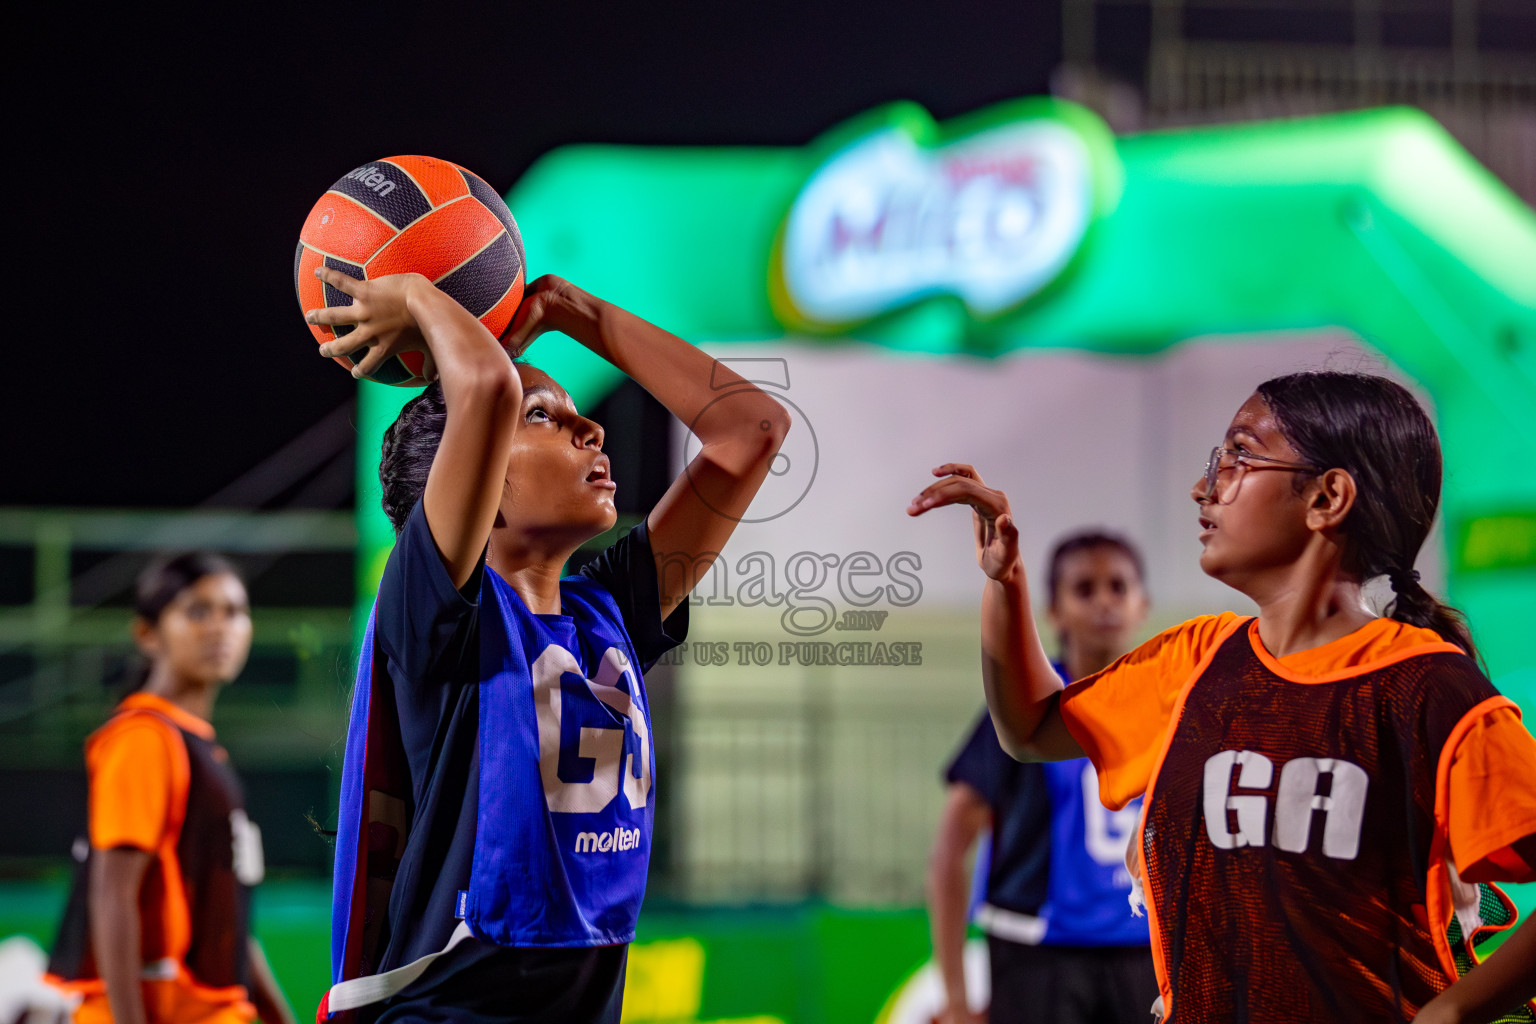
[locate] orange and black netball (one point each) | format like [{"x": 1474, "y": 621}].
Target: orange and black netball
[{"x": 412, "y": 214}]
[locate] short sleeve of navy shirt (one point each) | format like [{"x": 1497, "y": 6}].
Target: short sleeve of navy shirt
[
  {"x": 427, "y": 631},
  {"x": 1019, "y": 873}
]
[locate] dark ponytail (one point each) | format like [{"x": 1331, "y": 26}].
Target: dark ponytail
[
  {"x": 158, "y": 585},
  {"x": 410, "y": 445},
  {"x": 1374, "y": 429}
]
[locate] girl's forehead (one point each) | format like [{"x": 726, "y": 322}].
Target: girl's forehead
[
  {"x": 1101, "y": 560},
  {"x": 1254, "y": 419},
  {"x": 536, "y": 381},
  {"x": 532, "y": 374},
  {"x": 217, "y": 586},
  {"x": 1098, "y": 556}
]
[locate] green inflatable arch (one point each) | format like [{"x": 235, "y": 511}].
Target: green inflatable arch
[{"x": 1376, "y": 222}]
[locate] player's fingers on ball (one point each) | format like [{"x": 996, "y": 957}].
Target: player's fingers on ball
[
  {"x": 525, "y": 327},
  {"x": 516, "y": 344},
  {"x": 371, "y": 362},
  {"x": 332, "y": 315},
  {"x": 341, "y": 282},
  {"x": 347, "y": 344},
  {"x": 428, "y": 366},
  {"x": 514, "y": 336},
  {"x": 527, "y": 316}
]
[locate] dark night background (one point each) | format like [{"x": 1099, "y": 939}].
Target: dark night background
[
  {"x": 164, "y": 162},
  {"x": 163, "y": 159}
]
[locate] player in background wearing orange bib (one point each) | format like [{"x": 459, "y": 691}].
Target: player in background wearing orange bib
[
  {"x": 156, "y": 929},
  {"x": 1320, "y": 782}
]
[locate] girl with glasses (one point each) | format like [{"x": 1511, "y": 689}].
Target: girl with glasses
[{"x": 1322, "y": 785}]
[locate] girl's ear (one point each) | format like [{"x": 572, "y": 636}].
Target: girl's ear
[
  {"x": 146, "y": 637},
  {"x": 1333, "y": 495}
]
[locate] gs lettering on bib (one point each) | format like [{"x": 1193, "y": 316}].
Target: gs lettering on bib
[
  {"x": 583, "y": 767},
  {"x": 564, "y": 810},
  {"x": 563, "y": 835},
  {"x": 1289, "y": 840}
]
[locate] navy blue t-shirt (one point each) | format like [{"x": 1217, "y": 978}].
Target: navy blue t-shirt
[
  {"x": 1018, "y": 872},
  {"x": 1057, "y": 873},
  {"x": 427, "y": 631}
]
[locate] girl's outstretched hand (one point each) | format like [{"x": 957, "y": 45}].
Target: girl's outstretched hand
[
  {"x": 997, "y": 538},
  {"x": 380, "y": 318}
]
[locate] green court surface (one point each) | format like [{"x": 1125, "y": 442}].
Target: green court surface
[
  {"x": 293, "y": 922},
  {"x": 805, "y": 963}
]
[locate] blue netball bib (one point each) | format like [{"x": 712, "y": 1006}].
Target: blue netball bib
[
  {"x": 1088, "y": 884},
  {"x": 564, "y": 816},
  {"x": 563, "y": 837}
]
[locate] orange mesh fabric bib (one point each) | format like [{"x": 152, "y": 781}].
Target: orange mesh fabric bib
[
  {"x": 195, "y": 903},
  {"x": 1289, "y": 835}
]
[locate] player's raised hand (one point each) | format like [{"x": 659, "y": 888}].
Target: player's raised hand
[
  {"x": 380, "y": 318},
  {"x": 550, "y": 304},
  {"x": 997, "y": 537}
]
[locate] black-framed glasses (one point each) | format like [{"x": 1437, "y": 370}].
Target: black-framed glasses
[{"x": 1224, "y": 459}]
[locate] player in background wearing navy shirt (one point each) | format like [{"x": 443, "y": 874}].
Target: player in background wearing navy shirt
[
  {"x": 499, "y": 871},
  {"x": 1062, "y": 941}
]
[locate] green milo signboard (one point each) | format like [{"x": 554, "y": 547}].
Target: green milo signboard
[{"x": 1029, "y": 226}]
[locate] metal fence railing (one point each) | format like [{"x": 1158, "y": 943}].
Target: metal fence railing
[
  {"x": 793, "y": 782},
  {"x": 785, "y": 803},
  {"x": 65, "y": 642},
  {"x": 1219, "y": 61},
  {"x": 1487, "y": 103}
]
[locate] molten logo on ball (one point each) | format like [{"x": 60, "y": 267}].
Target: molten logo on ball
[
  {"x": 371, "y": 178},
  {"x": 413, "y": 214}
]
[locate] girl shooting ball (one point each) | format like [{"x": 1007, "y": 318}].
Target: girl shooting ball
[
  {"x": 496, "y": 799},
  {"x": 1321, "y": 782}
]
